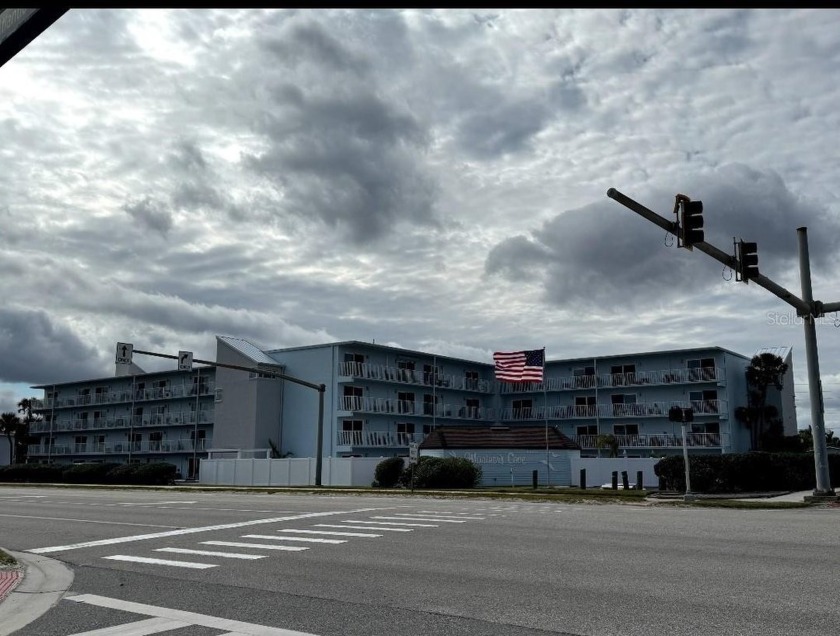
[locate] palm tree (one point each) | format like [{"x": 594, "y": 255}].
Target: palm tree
[
  {"x": 10, "y": 426},
  {"x": 765, "y": 370},
  {"x": 608, "y": 441}
]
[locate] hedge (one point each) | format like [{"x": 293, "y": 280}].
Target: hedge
[
  {"x": 388, "y": 472},
  {"x": 159, "y": 473},
  {"x": 745, "y": 472},
  {"x": 442, "y": 472}
]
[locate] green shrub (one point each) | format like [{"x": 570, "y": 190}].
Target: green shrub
[
  {"x": 32, "y": 473},
  {"x": 745, "y": 472},
  {"x": 388, "y": 472},
  {"x": 442, "y": 472},
  {"x": 88, "y": 473},
  {"x": 159, "y": 473}
]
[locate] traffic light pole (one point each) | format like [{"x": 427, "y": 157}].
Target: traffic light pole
[
  {"x": 814, "y": 383},
  {"x": 805, "y": 307}
]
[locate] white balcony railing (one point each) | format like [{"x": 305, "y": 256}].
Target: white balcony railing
[
  {"x": 380, "y": 439},
  {"x": 355, "y": 404},
  {"x": 636, "y": 410},
  {"x": 365, "y": 371},
  {"x": 693, "y": 440},
  {"x": 638, "y": 378}
]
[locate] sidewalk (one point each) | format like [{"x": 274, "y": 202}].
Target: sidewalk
[{"x": 28, "y": 591}]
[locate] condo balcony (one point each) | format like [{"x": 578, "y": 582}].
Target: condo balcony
[
  {"x": 611, "y": 380},
  {"x": 412, "y": 408},
  {"x": 377, "y": 439},
  {"x": 350, "y": 371},
  {"x": 110, "y": 448},
  {"x": 137, "y": 421},
  {"x": 128, "y": 394},
  {"x": 591, "y": 411},
  {"x": 693, "y": 440}
]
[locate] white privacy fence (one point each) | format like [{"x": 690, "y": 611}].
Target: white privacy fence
[{"x": 336, "y": 471}]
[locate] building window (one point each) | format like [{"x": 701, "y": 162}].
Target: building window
[
  {"x": 430, "y": 404},
  {"x": 625, "y": 429},
  {"x": 471, "y": 380},
  {"x": 472, "y": 408},
  {"x": 431, "y": 374},
  {"x": 353, "y": 398},
  {"x": 522, "y": 409},
  {"x": 81, "y": 443},
  {"x": 623, "y": 404},
  {"x": 704, "y": 402},
  {"x": 585, "y": 406},
  {"x": 218, "y": 395},
  {"x": 353, "y": 363},
  {"x": 623, "y": 374},
  {"x": 405, "y": 402},
  {"x": 701, "y": 369},
  {"x": 406, "y": 370},
  {"x": 584, "y": 377},
  {"x": 352, "y": 432},
  {"x": 587, "y": 429}
]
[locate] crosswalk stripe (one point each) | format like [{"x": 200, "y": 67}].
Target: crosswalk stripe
[
  {"x": 178, "y": 564},
  {"x": 337, "y": 534},
  {"x": 407, "y": 518},
  {"x": 257, "y": 546},
  {"x": 454, "y": 515},
  {"x": 306, "y": 539},
  {"x": 330, "y": 525},
  {"x": 227, "y": 555},
  {"x": 400, "y": 523},
  {"x": 138, "y": 628}
]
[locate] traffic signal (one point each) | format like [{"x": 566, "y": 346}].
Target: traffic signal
[
  {"x": 747, "y": 260},
  {"x": 691, "y": 223}
]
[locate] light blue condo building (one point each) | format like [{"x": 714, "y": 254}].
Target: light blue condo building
[{"x": 379, "y": 399}]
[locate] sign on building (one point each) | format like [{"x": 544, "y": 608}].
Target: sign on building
[
  {"x": 185, "y": 360},
  {"x": 124, "y": 352},
  {"x": 413, "y": 453}
]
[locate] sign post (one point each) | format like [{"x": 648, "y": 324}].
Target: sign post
[{"x": 413, "y": 456}]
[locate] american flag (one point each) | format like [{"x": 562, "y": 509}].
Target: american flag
[{"x": 520, "y": 366}]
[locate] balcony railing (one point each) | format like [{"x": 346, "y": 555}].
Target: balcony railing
[
  {"x": 379, "y": 439},
  {"x": 157, "y": 446},
  {"x": 383, "y": 373},
  {"x": 637, "y": 410},
  {"x": 656, "y": 441},
  {"x": 638, "y": 378},
  {"x": 126, "y": 395},
  {"x": 170, "y": 419},
  {"x": 408, "y": 407}
]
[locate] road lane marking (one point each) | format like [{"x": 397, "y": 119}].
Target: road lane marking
[
  {"x": 300, "y": 539},
  {"x": 230, "y": 626},
  {"x": 180, "y": 564},
  {"x": 257, "y": 546},
  {"x": 227, "y": 555},
  {"x": 155, "y": 503},
  {"x": 330, "y": 532},
  {"x": 331, "y": 525},
  {"x": 23, "y": 496},
  {"x": 407, "y": 518},
  {"x": 453, "y": 515},
  {"x": 399, "y": 523},
  {"x": 112, "y": 523},
  {"x": 174, "y": 533},
  {"x": 139, "y": 628}
]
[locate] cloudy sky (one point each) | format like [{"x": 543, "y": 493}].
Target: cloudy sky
[{"x": 431, "y": 179}]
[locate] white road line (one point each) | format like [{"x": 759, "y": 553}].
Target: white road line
[
  {"x": 140, "y": 628},
  {"x": 301, "y": 539},
  {"x": 23, "y": 496},
  {"x": 331, "y": 525},
  {"x": 174, "y": 533},
  {"x": 180, "y": 564},
  {"x": 256, "y": 546},
  {"x": 226, "y": 555},
  {"x": 156, "y": 503},
  {"x": 407, "y": 518},
  {"x": 337, "y": 534},
  {"x": 399, "y": 523},
  {"x": 453, "y": 515},
  {"x": 112, "y": 523},
  {"x": 191, "y": 618}
]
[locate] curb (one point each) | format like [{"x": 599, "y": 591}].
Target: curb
[{"x": 40, "y": 584}]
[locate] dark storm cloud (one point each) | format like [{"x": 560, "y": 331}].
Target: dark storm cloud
[
  {"x": 151, "y": 214},
  {"x": 605, "y": 253},
  {"x": 338, "y": 150},
  {"x": 34, "y": 348},
  {"x": 504, "y": 128}
]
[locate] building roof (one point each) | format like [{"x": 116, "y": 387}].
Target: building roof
[
  {"x": 522, "y": 437},
  {"x": 248, "y": 349},
  {"x": 782, "y": 352}
]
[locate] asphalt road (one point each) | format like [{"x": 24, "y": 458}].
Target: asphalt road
[{"x": 422, "y": 565}]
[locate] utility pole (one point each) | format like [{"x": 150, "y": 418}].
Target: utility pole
[{"x": 687, "y": 229}]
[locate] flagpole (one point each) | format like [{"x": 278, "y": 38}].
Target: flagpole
[{"x": 545, "y": 412}]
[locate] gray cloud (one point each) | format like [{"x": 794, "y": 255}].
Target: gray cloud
[
  {"x": 35, "y": 348},
  {"x": 604, "y": 253},
  {"x": 150, "y": 214}
]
